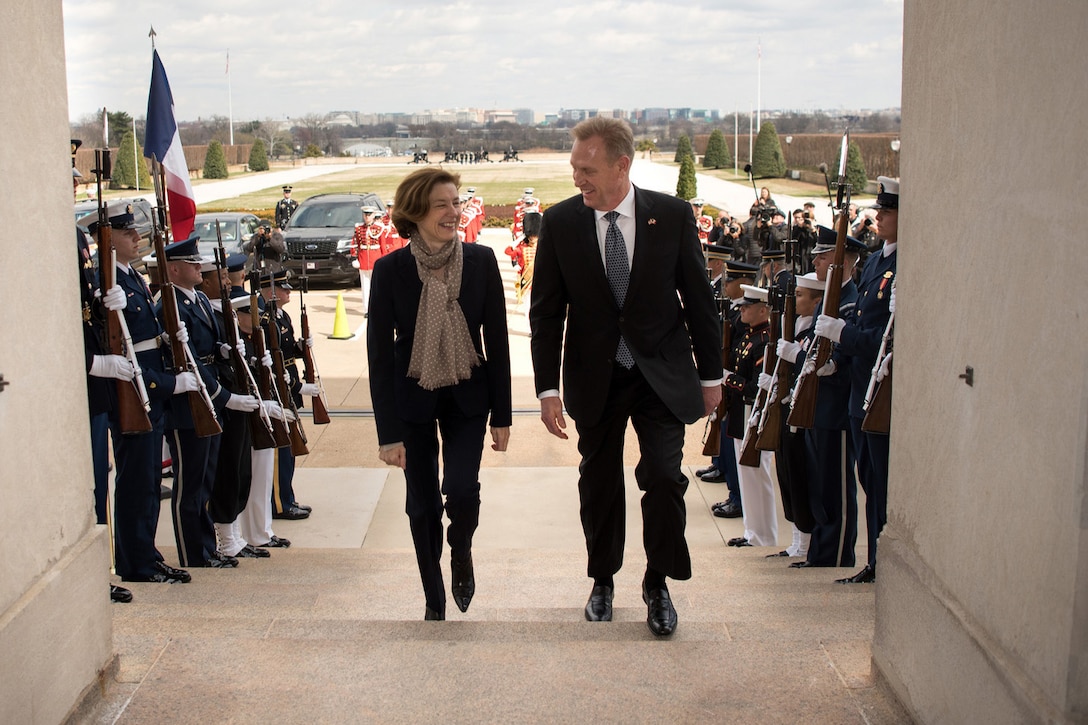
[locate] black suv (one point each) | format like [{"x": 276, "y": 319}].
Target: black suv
[
  {"x": 87, "y": 212},
  {"x": 319, "y": 236}
]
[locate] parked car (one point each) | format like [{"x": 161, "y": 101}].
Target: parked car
[
  {"x": 236, "y": 228},
  {"x": 319, "y": 236},
  {"x": 86, "y": 212}
]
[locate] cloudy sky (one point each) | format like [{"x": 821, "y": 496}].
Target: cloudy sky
[{"x": 294, "y": 58}]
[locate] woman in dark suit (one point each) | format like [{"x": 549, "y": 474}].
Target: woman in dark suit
[{"x": 439, "y": 362}]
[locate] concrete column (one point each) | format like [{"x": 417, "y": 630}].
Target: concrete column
[
  {"x": 55, "y": 627},
  {"x": 982, "y": 593}
]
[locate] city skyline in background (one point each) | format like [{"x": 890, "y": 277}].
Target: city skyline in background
[{"x": 421, "y": 56}]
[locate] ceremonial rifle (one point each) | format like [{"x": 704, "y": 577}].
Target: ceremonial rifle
[
  {"x": 770, "y": 422},
  {"x": 294, "y": 425},
  {"x": 878, "y": 395},
  {"x": 713, "y": 435},
  {"x": 200, "y": 402},
  {"x": 803, "y": 404},
  {"x": 133, "y": 405},
  {"x": 267, "y": 390},
  {"x": 311, "y": 374},
  {"x": 260, "y": 423},
  {"x": 750, "y": 453}
]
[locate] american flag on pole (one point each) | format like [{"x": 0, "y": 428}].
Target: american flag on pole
[{"x": 164, "y": 143}]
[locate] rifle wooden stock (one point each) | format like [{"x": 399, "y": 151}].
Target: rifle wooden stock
[
  {"x": 201, "y": 407},
  {"x": 770, "y": 427},
  {"x": 803, "y": 407},
  {"x": 713, "y": 433},
  {"x": 878, "y": 416},
  {"x": 294, "y": 425},
  {"x": 750, "y": 452},
  {"x": 280, "y": 435},
  {"x": 132, "y": 407},
  {"x": 320, "y": 409}
]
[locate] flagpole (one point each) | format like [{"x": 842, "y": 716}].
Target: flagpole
[
  {"x": 230, "y": 101},
  {"x": 135, "y": 156},
  {"x": 759, "y": 83},
  {"x": 105, "y": 128}
]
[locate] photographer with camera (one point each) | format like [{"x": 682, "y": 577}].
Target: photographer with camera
[
  {"x": 804, "y": 233},
  {"x": 268, "y": 246}
]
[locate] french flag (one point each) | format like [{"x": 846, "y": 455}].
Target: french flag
[{"x": 164, "y": 143}]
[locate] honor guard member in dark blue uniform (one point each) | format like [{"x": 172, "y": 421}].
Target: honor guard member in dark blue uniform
[
  {"x": 724, "y": 466},
  {"x": 830, "y": 449},
  {"x": 284, "y": 505},
  {"x": 195, "y": 457},
  {"x": 858, "y": 340},
  {"x": 236, "y": 273},
  {"x": 100, "y": 383},
  {"x": 138, "y": 456},
  {"x": 285, "y": 208}
]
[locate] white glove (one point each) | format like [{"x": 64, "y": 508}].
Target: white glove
[
  {"x": 224, "y": 351},
  {"x": 243, "y": 403},
  {"x": 788, "y": 351},
  {"x": 183, "y": 333},
  {"x": 765, "y": 382},
  {"x": 185, "y": 383},
  {"x": 289, "y": 415},
  {"x": 829, "y": 368},
  {"x": 310, "y": 389},
  {"x": 115, "y": 298},
  {"x": 891, "y": 301},
  {"x": 829, "y": 327},
  {"x": 241, "y": 348},
  {"x": 310, "y": 341},
  {"x": 112, "y": 366},
  {"x": 885, "y": 367},
  {"x": 355, "y": 263},
  {"x": 286, "y": 378},
  {"x": 266, "y": 359},
  {"x": 273, "y": 409}
]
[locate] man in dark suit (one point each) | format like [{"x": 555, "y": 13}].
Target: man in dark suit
[{"x": 621, "y": 272}]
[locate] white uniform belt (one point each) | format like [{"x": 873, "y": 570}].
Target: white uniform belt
[{"x": 151, "y": 343}]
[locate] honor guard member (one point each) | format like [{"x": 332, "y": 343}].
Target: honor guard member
[
  {"x": 284, "y": 505},
  {"x": 230, "y": 490},
  {"x": 195, "y": 457},
  {"x": 368, "y": 250},
  {"x": 477, "y": 203},
  {"x": 741, "y": 385},
  {"x": 833, "y": 488},
  {"x": 703, "y": 222},
  {"x": 724, "y": 466},
  {"x": 858, "y": 340},
  {"x": 236, "y": 272},
  {"x": 466, "y": 225},
  {"x": 138, "y": 456},
  {"x": 772, "y": 268},
  {"x": 255, "y": 520},
  {"x": 285, "y": 208}
]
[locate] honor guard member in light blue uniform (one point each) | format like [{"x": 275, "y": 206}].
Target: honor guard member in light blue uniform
[
  {"x": 195, "y": 457},
  {"x": 858, "y": 340},
  {"x": 138, "y": 456}
]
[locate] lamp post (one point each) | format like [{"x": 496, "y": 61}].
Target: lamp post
[
  {"x": 895, "y": 143},
  {"x": 789, "y": 140}
]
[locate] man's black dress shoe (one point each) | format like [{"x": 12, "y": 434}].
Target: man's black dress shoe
[
  {"x": 739, "y": 541},
  {"x": 291, "y": 513},
  {"x": 430, "y": 615},
  {"x": 304, "y": 507},
  {"x": 713, "y": 477},
  {"x": 276, "y": 542},
  {"x": 660, "y": 614},
  {"x": 252, "y": 552},
  {"x": 781, "y": 553},
  {"x": 165, "y": 492},
  {"x": 163, "y": 574},
  {"x": 727, "y": 510},
  {"x": 220, "y": 561},
  {"x": 463, "y": 585},
  {"x": 801, "y": 564},
  {"x": 120, "y": 594},
  {"x": 599, "y": 606},
  {"x": 865, "y": 576},
  {"x": 703, "y": 471}
]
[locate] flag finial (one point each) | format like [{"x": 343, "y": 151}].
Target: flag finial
[{"x": 152, "y": 35}]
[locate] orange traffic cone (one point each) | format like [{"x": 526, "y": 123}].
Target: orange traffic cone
[{"x": 340, "y": 329}]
